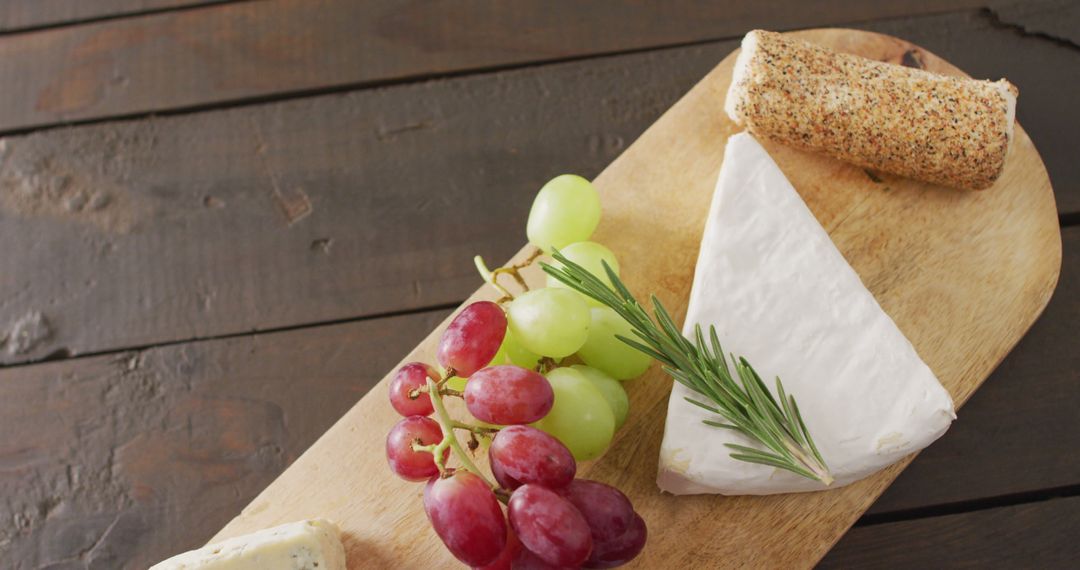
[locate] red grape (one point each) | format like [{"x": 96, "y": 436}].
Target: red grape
[
  {"x": 466, "y": 515},
  {"x": 619, "y": 551},
  {"x": 505, "y": 481},
  {"x": 508, "y": 394},
  {"x": 505, "y": 560},
  {"x": 523, "y": 454},
  {"x": 472, "y": 338},
  {"x": 607, "y": 511},
  {"x": 406, "y": 463},
  {"x": 549, "y": 526},
  {"x": 527, "y": 560},
  {"x": 408, "y": 378}
]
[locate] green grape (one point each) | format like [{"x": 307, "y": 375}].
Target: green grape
[
  {"x": 513, "y": 353},
  {"x": 591, "y": 256},
  {"x": 611, "y": 389},
  {"x": 500, "y": 355},
  {"x": 581, "y": 418},
  {"x": 566, "y": 210},
  {"x": 551, "y": 322},
  {"x": 609, "y": 354},
  {"x": 457, "y": 383},
  {"x": 510, "y": 352}
]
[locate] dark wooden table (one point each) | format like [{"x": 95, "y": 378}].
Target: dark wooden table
[{"x": 223, "y": 222}]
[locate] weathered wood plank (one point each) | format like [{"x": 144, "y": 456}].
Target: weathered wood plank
[
  {"x": 345, "y": 205},
  {"x": 256, "y": 49},
  {"x": 1034, "y": 535},
  {"x": 119, "y": 461},
  {"x": 1015, "y": 434},
  {"x": 311, "y": 210},
  {"x": 1057, "y": 20},
  {"x": 22, "y": 14}
]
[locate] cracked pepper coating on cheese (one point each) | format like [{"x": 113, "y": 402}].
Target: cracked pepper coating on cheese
[{"x": 946, "y": 130}]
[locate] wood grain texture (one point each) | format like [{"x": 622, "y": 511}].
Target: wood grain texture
[
  {"x": 1054, "y": 20},
  {"x": 305, "y": 211},
  {"x": 22, "y": 14},
  {"x": 1035, "y": 535},
  {"x": 271, "y": 216},
  {"x": 116, "y": 461},
  {"x": 1015, "y": 434},
  {"x": 964, "y": 275},
  {"x": 256, "y": 49}
]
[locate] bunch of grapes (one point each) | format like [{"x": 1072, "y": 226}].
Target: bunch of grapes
[{"x": 537, "y": 418}]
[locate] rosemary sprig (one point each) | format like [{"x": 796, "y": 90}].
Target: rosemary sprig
[{"x": 747, "y": 405}]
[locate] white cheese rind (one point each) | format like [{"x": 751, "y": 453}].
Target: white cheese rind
[
  {"x": 305, "y": 545},
  {"x": 780, "y": 294}
]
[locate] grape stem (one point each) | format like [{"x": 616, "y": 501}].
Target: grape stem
[
  {"x": 450, "y": 373},
  {"x": 479, "y": 430},
  {"x": 449, "y": 439},
  {"x": 491, "y": 277},
  {"x": 415, "y": 393},
  {"x": 418, "y": 446},
  {"x": 515, "y": 270},
  {"x": 546, "y": 364},
  {"x": 439, "y": 453}
]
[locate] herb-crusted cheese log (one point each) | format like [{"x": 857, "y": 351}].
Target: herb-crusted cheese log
[{"x": 947, "y": 130}]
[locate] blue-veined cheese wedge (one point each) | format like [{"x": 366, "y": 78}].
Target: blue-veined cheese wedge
[
  {"x": 781, "y": 295},
  {"x": 304, "y": 545}
]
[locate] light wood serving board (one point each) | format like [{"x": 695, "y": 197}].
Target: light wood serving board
[{"x": 963, "y": 274}]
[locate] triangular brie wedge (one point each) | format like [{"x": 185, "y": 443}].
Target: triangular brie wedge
[{"x": 781, "y": 295}]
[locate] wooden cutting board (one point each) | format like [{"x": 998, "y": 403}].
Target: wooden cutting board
[{"x": 963, "y": 274}]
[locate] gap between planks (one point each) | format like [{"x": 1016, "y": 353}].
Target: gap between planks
[
  {"x": 1030, "y": 535},
  {"x": 970, "y": 506},
  {"x": 63, "y": 354},
  {"x": 105, "y": 16}
]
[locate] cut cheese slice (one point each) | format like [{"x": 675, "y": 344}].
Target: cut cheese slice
[
  {"x": 781, "y": 295},
  {"x": 305, "y": 545}
]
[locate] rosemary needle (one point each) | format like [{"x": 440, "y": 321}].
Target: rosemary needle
[{"x": 747, "y": 405}]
